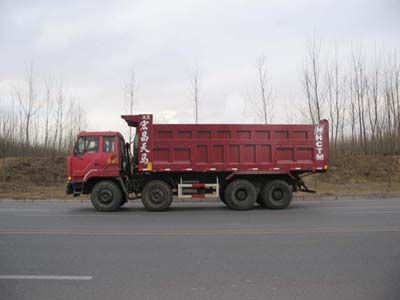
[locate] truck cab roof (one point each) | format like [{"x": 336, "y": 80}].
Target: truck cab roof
[{"x": 100, "y": 133}]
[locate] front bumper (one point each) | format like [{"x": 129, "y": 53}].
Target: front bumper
[{"x": 69, "y": 189}]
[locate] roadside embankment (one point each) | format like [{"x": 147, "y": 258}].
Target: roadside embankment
[{"x": 348, "y": 175}]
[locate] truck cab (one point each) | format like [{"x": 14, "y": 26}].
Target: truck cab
[{"x": 97, "y": 155}]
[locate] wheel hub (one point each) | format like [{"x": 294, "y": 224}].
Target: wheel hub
[
  {"x": 157, "y": 196},
  {"x": 277, "y": 194},
  {"x": 105, "y": 196},
  {"x": 241, "y": 195}
]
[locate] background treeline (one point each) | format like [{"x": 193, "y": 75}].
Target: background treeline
[
  {"x": 39, "y": 118},
  {"x": 359, "y": 94}
]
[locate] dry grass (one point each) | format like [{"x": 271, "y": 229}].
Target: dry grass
[
  {"x": 359, "y": 175},
  {"x": 32, "y": 177}
]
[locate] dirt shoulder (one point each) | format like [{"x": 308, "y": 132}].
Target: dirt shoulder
[
  {"x": 32, "y": 177},
  {"x": 359, "y": 175},
  {"x": 349, "y": 175}
]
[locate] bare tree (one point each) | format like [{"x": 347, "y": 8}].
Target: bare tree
[
  {"x": 130, "y": 87},
  {"x": 391, "y": 96},
  {"x": 5, "y": 137},
  {"x": 264, "y": 106},
  {"x": 27, "y": 129},
  {"x": 59, "y": 118},
  {"x": 311, "y": 79},
  {"x": 28, "y": 102},
  {"x": 359, "y": 80},
  {"x": 373, "y": 103},
  {"x": 76, "y": 122},
  {"x": 335, "y": 82},
  {"x": 48, "y": 109},
  {"x": 195, "y": 85}
]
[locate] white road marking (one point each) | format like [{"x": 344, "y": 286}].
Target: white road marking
[{"x": 45, "y": 277}]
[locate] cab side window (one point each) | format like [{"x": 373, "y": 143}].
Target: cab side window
[
  {"x": 88, "y": 144},
  {"x": 109, "y": 144},
  {"x": 92, "y": 144}
]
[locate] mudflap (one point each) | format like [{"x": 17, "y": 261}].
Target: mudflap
[{"x": 303, "y": 188}]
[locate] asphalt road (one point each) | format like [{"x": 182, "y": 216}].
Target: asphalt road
[{"x": 313, "y": 250}]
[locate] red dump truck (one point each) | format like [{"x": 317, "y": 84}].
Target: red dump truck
[{"x": 239, "y": 163}]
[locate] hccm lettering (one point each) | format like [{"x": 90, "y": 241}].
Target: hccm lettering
[{"x": 319, "y": 130}]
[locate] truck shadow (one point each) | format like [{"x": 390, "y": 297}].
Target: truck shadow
[
  {"x": 187, "y": 206},
  {"x": 201, "y": 207}
]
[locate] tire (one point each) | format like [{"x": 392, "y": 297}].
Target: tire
[
  {"x": 222, "y": 195},
  {"x": 106, "y": 196},
  {"x": 156, "y": 195},
  {"x": 276, "y": 194},
  {"x": 240, "y": 195}
]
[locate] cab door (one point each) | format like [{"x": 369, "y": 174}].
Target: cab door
[
  {"x": 86, "y": 156},
  {"x": 109, "y": 154}
]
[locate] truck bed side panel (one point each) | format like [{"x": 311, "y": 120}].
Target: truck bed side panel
[{"x": 234, "y": 147}]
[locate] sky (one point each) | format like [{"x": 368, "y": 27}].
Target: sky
[{"x": 92, "y": 46}]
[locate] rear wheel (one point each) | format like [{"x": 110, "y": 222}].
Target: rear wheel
[
  {"x": 276, "y": 194},
  {"x": 240, "y": 194},
  {"x": 106, "y": 196},
  {"x": 157, "y": 195}
]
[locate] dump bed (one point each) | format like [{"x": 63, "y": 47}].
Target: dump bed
[{"x": 229, "y": 147}]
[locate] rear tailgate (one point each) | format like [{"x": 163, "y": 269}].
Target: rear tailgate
[{"x": 321, "y": 133}]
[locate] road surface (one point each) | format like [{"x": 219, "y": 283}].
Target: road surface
[{"x": 343, "y": 249}]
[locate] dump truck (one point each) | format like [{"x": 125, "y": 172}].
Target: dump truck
[{"x": 242, "y": 164}]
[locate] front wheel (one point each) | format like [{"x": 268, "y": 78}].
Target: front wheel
[
  {"x": 276, "y": 194},
  {"x": 157, "y": 195},
  {"x": 106, "y": 196}
]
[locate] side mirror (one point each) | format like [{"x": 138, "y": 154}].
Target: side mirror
[
  {"x": 75, "y": 149},
  {"x": 76, "y": 152},
  {"x": 79, "y": 142}
]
